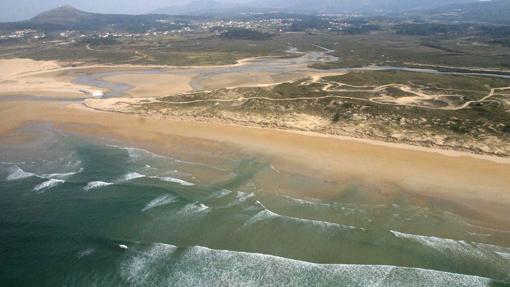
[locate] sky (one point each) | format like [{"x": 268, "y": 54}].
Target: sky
[{"x": 15, "y": 10}]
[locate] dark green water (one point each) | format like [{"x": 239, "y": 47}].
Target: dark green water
[{"x": 78, "y": 212}]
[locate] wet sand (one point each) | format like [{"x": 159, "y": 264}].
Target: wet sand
[
  {"x": 477, "y": 186},
  {"x": 153, "y": 85},
  {"x": 51, "y": 78}
]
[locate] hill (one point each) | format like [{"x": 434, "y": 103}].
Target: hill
[
  {"x": 70, "y": 18},
  {"x": 495, "y": 12},
  {"x": 64, "y": 15}
]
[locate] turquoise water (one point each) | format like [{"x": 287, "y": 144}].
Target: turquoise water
[{"x": 82, "y": 212}]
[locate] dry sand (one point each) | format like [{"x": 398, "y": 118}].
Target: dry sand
[
  {"x": 237, "y": 80},
  {"x": 259, "y": 79},
  {"x": 29, "y": 77},
  {"x": 11, "y": 68}
]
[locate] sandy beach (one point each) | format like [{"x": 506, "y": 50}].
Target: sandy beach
[
  {"x": 29, "y": 77},
  {"x": 478, "y": 186}
]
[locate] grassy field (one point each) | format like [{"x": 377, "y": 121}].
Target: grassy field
[
  {"x": 470, "y": 87},
  {"x": 148, "y": 51},
  {"x": 402, "y": 50},
  {"x": 381, "y": 48}
]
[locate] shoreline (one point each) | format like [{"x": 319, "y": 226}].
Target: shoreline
[
  {"x": 376, "y": 142},
  {"x": 477, "y": 185}
]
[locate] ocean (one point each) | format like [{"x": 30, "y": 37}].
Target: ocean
[{"x": 78, "y": 211}]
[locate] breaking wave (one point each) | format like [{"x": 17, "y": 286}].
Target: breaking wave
[
  {"x": 16, "y": 173},
  {"x": 193, "y": 208},
  {"x": 266, "y": 214},
  {"x": 49, "y": 184},
  {"x": 160, "y": 201},
  {"x": 96, "y": 184},
  {"x": 459, "y": 247},
  {"x": 168, "y": 265},
  {"x": 60, "y": 175},
  {"x": 173, "y": 180},
  {"x": 132, "y": 175}
]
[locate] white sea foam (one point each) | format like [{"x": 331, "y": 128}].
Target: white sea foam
[
  {"x": 132, "y": 175},
  {"x": 51, "y": 183},
  {"x": 221, "y": 193},
  {"x": 96, "y": 184},
  {"x": 240, "y": 197},
  {"x": 275, "y": 169},
  {"x": 160, "y": 201},
  {"x": 306, "y": 202},
  {"x": 504, "y": 255},
  {"x": 243, "y": 196},
  {"x": 60, "y": 175},
  {"x": 174, "y": 180},
  {"x": 254, "y": 269},
  {"x": 193, "y": 208},
  {"x": 136, "y": 153},
  {"x": 16, "y": 173},
  {"x": 266, "y": 214},
  {"x": 480, "y": 234},
  {"x": 86, "y": 252},
  {"x": 459, "y": 247},
  {"x": 431, "y": 241},
  {"x": 138, "y": 268}
]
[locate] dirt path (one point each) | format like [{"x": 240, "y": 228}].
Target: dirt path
[{"x": 484, "y": 99}]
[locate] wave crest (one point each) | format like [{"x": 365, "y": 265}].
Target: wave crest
[
  {"x": 16, "y": 173},
  {"x": 200, "y": 266},
  {"x": 49, "y": 184},
  {"x": 96, "y": 184},
  {"x": 159, "y": 201}
]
